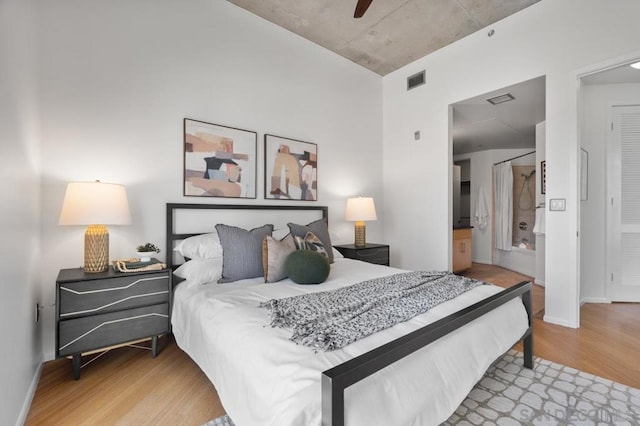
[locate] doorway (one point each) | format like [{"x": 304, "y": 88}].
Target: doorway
[
  {"x": 502, "y": 126},
  {"x": 624, "y": 191},
  {"x": 610, "y": 200}
]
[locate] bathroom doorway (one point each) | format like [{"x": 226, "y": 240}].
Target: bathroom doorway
[{"x": 503, "y": 129}]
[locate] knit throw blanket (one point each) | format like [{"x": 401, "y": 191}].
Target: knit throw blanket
[{"x": 333, "y": 319}]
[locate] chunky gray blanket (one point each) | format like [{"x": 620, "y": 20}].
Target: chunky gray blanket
[{"x": 333, "y": 319}]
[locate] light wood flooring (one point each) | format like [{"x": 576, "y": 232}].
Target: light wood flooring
[
  {"x": 607, "y": 343},
  {"x": 127, "y": 387}
]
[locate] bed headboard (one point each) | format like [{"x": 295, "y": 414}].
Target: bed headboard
[{"x": 186, "y": 220}]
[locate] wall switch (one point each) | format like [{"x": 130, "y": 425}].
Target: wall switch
[
  {"x": 557, "y": 205},
  {"x": 416, "y": 135}
]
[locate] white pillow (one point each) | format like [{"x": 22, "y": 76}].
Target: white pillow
[
  {"x": 205, "y": 246},
  {"x": 201, "y": 271},
  {"x": 336, "y": 253},
  {"x": 280, "y": 233}
]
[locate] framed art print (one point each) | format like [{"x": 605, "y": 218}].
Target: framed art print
[
  {"x": 219, "y": 161},
  {"x": 543, "y": 177},
  {"x": 290, "y": 169}
]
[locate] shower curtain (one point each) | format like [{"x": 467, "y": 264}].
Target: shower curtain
[{"x": 503, "y": 193}]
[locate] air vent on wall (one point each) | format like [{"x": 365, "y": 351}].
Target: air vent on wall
[
  {"x": 501, "y": 99},
  {"x": 415, "y": 80}
]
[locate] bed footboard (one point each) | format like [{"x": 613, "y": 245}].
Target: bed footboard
[{"x": 340, "y": 377}]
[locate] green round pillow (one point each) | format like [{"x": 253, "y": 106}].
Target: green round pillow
[{"x": 307, "y": 267}]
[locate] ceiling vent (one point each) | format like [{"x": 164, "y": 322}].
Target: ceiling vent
[
  {"x": 415, "y": 80},
  {"x": 500, "y": 99}
]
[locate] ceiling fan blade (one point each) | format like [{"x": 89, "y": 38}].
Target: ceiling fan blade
[{"x": 361, "y": 8}]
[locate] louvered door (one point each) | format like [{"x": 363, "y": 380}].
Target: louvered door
[{"x": 624, "y": 204}]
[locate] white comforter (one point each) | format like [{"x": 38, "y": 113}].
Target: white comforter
[{"x": 264, "y": 379}]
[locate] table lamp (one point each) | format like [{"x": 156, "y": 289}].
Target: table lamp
[
  {"x": 95, "y": 204},
  {"x": 360, "y": 209}
]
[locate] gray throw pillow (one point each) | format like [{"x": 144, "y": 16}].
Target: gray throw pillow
[
  {"x": 241, "y": 252},
  {"x": 319, "y": 228}
]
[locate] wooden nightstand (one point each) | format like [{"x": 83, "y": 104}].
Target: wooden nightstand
[
  {"x": 372, "y": 253},
  {"x": 95, "y": 311}
]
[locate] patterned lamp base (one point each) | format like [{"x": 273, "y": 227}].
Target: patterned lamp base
[
  {"x": 96, "y": 249},
  {"x": 360, "y": 234}
]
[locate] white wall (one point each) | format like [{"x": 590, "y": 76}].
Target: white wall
[
  {"x": 551, "y": 38},
  {"x": 118, "y": 78},
  {"x": 597, "y": 101},
  {"x": 20, "y": 194}
]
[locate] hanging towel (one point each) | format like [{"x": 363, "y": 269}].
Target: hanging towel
[
  {"x": 538, "y": 228},
  {"x": 481, "y": 216}
]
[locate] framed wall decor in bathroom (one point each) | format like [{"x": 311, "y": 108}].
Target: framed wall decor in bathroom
[{"x": 543, "y": 177}]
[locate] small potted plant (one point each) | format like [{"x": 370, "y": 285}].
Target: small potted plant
[{"x": 145, "y": 251}]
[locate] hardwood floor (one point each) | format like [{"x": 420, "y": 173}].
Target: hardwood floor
[
  {"x": 127, "y": 387},
  {"x": 607, "y": 343},
  {"x": 506, "y": 278}
]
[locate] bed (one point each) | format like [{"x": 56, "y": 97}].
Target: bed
[{"x": 414, "y": 373}]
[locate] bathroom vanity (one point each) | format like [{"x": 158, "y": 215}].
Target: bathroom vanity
[{"x": 461, "y": 249}]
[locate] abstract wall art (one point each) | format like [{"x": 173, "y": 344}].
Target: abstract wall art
[
  {"x": 219, "y": 161},
  {"x": 291, "y": 169}
]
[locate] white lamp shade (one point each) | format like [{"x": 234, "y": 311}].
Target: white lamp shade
[
  {"x": 360, "y": 209},
  {"x": 95, "y": 203}
]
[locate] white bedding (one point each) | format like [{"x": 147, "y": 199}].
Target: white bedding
[{"x": 264, "y": 379}]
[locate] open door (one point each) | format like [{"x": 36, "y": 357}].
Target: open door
[{"x": 624, "y": 204}]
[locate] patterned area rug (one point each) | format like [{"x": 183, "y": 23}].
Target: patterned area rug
[
  {"x": 220, "y": 421},
  {"x": 550, "y": 394}
]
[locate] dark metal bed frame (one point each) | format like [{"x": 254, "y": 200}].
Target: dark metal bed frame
[
  {"x": 340, "y": 377},
  {"x": 171, "y": 207}
]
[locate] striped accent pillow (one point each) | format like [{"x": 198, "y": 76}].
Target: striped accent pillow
[
  {"x": 311, "y": 242},
  {"x": 319, "y": 228},
  {"x": 241, "y": 252}
]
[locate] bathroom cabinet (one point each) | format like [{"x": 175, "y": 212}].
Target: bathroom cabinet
[{"x": 461, "y": 249}]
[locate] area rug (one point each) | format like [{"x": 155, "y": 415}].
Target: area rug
[{"x": 550, "y": 394}]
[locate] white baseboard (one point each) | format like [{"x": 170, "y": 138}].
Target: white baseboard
[
  {"x": 559, "y": 321},
  {"x": 594, "y": 300},
  {"x": 539, "y": 282},
  {"x": 26, "y": 405}
]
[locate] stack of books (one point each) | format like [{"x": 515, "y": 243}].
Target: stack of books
[{"x": 135, "y": 265}]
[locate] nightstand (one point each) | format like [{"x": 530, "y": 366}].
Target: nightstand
[
  {"x": 99, "y": 310},
  {"x": 372, "y": 253}
]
